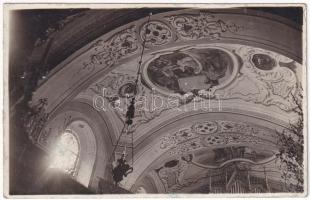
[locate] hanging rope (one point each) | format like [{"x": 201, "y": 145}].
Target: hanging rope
[
  {"x": 131, "y": 149},
  {"x": 118, "y": 139},
  {"x": 138, "y": 75},
  {"x": 130, "y": 111},
  {"x": 118, "y": 171},
  {"x": 143, "y": 47}
]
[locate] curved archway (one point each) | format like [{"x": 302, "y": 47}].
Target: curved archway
[
  {"x": 88, "y": 150},
  {"x": 257, "y": 97},
  {"x": 182, "y": 136},
  {"x": 92, "y": 130}
]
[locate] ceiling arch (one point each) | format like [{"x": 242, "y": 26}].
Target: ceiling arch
[
  {"x": 94, "y": 132},
  {"x": 104, "y": 53},
  {"x": 87, "y": 151},
  {"x": 182, "y": 137},
  {"x": 243, "y": 97}
]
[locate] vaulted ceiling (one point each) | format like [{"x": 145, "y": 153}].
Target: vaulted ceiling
[{"x": 214, "y": 84}]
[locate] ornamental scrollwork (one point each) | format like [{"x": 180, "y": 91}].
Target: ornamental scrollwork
[
  {"x": 202, "y": 26},
  {"x": 156, "y": 33},
  {"x": 117, "y": 88},
  {"x": 268, "y": 82},
  {"x": 206, "y": 127},
  {"x": 37, "y": 119},
  {"x": 241, "y": 127},
  {"x": 263, "y": 77},
  {"x": 177, "y": 137},
  {"x": 213, "y": 134},
  {"x": 107, "y": 52},
  {"x": 172, "y": 173}
]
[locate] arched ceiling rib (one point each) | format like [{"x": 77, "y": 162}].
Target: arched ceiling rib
[
  {"x": 124, "y": 43},
  {"x": 223, "y": 70}
]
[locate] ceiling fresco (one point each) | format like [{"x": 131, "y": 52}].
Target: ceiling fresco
[
  {"x": 193, "y": 63},
  {"x": 182, "y": 72},
  {"x": 244, "y": 73},
  {"x": 218, "y": 150},
  {"x": 179, "y": 78},
  {"x": 165, "y": 31}
]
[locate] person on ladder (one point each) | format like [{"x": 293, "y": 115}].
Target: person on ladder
[
  {"x": 121, "y": 170},
  {"x": 130, "y": 112}
]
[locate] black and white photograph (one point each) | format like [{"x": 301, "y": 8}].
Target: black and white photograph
[{"x": 145, "y": 100}]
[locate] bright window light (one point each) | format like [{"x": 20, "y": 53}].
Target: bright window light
[{"x": 66, "y": 152}]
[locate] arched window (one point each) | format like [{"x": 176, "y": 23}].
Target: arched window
[{"x": 65, "y": 156}]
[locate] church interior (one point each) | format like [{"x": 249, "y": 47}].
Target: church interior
[{"x": 156, "y": 101}]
